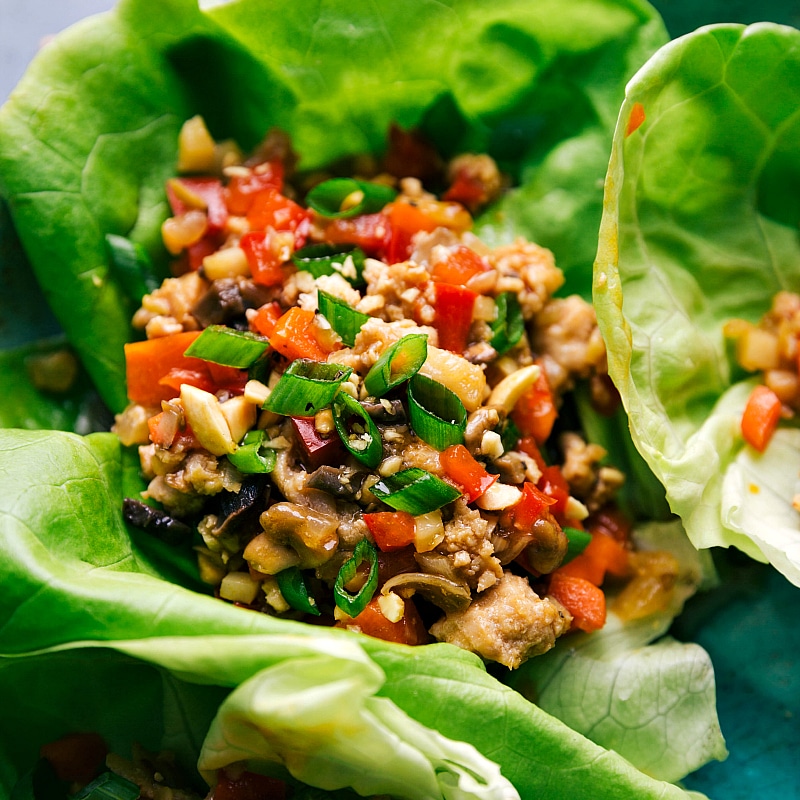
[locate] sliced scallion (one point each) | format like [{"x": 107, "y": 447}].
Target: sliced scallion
[
  {"x": 108, "y": 786},
  {"x": 437, "y": 415},
  {"x": 132, "y": 266},
  {"x": 414, "y": 490},
  {"x": 357, "y": 430},
  {"x": 306, "y": 387},
  {"x": 348, "y": 197},
  {"x": 344, "y": 319},
  {"x": 294, "y": 589},
  {"x": 510, "y": 434},
  {"x": 509, "y": 325},
  {"x": 328, "y": 259},
  {"x": 224, "y": 345},
  {"x": 354, "y": 604},
  {"x": 251, "y": 457},
  {"x": 577, "y": 541},
  {"x": 397, "y": 364}
]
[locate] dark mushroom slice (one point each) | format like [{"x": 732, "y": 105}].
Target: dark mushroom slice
[
  {"x": 240, "y": 510},
  {"x": 292, "y": 535},
  {"x": 341, "y": 483},
  {"x": 156, "y": 522},
  {"x": 227, "y": 299},
  {"x": 385, "y": 411},
  {"x": 449, "y": 595}
]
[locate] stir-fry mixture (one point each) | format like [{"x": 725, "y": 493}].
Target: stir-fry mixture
[
  {"x": 80, "y": 766},
  {"x": 353, "y": 405},
  {"x": 770, "y": 347}
]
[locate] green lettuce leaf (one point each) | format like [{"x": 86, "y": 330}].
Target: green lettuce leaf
[
  {"x": 90, "y": 134},
  {"x": 700, "y": 225},
  {"x": 607, "y": 685},
  {"x": 75, "y": 577}
]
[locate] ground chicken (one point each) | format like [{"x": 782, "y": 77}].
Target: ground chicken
[
  {"x": 530, "y": 270},
  {"x": 168, "y": 309},
  {"x": 566, "y": 336},
  {"x": 396, "y": 291},
  {"x": 467, "y": 543},
  {"x": 373, "y": 339},
  {"x": 509, "y": 623}
]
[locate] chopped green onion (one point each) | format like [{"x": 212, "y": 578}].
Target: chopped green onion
[
  {"x": 132, "y": 266},
  {"x": 510, "y": 434},
  {"x": 328, "y": 259},
  {"x": 224, "y": 345},
  {"x": 344, "y": 319},
  {"x": 294, "y": 589},
  {"x": 354, "y": 604},
  {"x": 509, "y": 325},
  {"x": 250, "y": 458},
  {"x": 108, "y": 786},
  {"x": 357, "y": 430},
  {"x": 577, "y": 541},
  {"x": 348, "y": 197},
  {"x": 414, "y": 490},
  {"x": 306, "y": 387},
  {"x": 397, "y": 364},
  {"x": 437, "y": 415}
]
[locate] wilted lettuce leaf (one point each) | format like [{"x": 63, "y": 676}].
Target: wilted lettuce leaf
[
  {"x": 74, "y": 576},
  {"x": 90, "y": 134},
  {"x": 700, "y": 226}
]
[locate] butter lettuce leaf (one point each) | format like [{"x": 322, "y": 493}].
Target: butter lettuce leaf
[
  {"x": 631, "y": 687},
  {"x": 76, "y": 578},
  {"x": 700, "y": 225}
]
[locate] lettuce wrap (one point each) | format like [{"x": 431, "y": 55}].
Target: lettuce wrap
[
  {"x": 86, "y": 143},
  {"x": 700, "y": 225}
]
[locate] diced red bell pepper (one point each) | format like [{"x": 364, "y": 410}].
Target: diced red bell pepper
[
  {"x": 242, "y": 189},
  {"x": 453, "y": 315},
  {"x": 554, "y": 485},
  {"x": 636, "y": 118},
  {"x": 760, "y": 417},
  {"x": 150, "y": 361},
  {"x": 392, "y": 530},
  {"x": 409, "y": 630},
  {"x": 527, "y": 445},
  {"x": 612, "y": 521},
  {"x": 270, "y": 209},
  {"x": 265, "y": 319},
  {"x": 76, "y": 757},
  {"x": 405, "y": 220},
  {"x": 177, "y": 376},
  {"x": 585, "y": 601},
  {"x": 460, "y": 265},
  {"x": 294, "y": 336},
  {"x": 229, "y": 379},
  {"x": 248, "y": 786},
  {"x": 207, "y": 189},
  {"x": 316, "y": 449},
  {"x": 265, "y": 259},
  {"x": 195, "y": 253},
  {"x": 367, "y": 231},
  {"x": 532, "y": 505},
  {"x": 467, "y": 190},
  {"x": 465, "y": 471},
  {"x": 535, "y": 412}
]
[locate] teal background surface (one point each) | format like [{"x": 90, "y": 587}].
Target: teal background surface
[{"x": 750, "y": 625}]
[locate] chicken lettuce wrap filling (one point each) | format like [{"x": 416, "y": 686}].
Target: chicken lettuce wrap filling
[{"x": 358, "y": 413}]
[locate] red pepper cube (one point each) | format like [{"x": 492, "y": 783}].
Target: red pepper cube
[
  {"x": 391, "y": 530},
  {"x": 315, "y": 449},
  {"x": 453, "y": 317}
]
